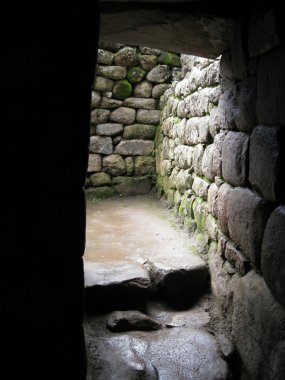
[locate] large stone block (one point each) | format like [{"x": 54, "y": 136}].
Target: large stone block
[
  {"x": 104, "y": 57},
  {"x": 139, "y": 131},
  {"x": 270, "y": 88},
  {"x": 132, "y": 185},
  {"x": 148, "y": 116},
  {"x": 123, "y": 115},
  {"x": 96, "y": 99},
  {"x": 222, "y": 203},
  {"x": 99, "y": 116},
  {"x": 159, "y": 74},
  {"x": 94, "y": 163},
  {"x": 213, "y": 199},
  {"x": 212, "y": 227},
  {"x": 266, "y": 161},
  {"x": 240, "y": 262},
  {"x": 103, "y": 84},
  {"x": 272, "y": 254},
  {"x": 102, "y": 145},
  {"x": 234, "y": 158},
  {"x": 197, "y": 131},
  {"x": 109, "y": 129},
  {"x": 247, "y": 217},
  {"x": 107, "y": 103},
  {"x": 134, "y": 148},
  {"x": 212, "y": 158},
  {"x": 143, "y": 89},
  {"x": 147, "y": 61},
  {"x": 142, "y": 103},
  {"x": 114, "y": 164},
  {"x": 200, "y": 187},
  {"x": 127, "y": 56},
  {"x": 183, "y": 156},
  {"x": 181, "y": 179},
  {"x": 159, "y": 89},
  {"x": 198, "y": 154},
  {"x": 112, "y": 72},
  {"x": 144, "y": 165},
  {"x": 258, "y": 326},
  {"x": 100, "y": 179}
]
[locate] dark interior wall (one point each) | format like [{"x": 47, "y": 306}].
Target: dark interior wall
[{"x": 46, "y": 72}]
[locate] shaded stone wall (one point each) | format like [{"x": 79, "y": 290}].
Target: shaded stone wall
[
  {"x": 219, "y": 160},
  {"x": 125, "y": 115}
]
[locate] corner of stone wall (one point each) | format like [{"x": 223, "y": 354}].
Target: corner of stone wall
[{"x": 125, "y": 117}]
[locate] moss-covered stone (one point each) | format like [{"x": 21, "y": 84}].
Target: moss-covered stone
[
  {"x": 135, "y": 74},
  {"x": 169, "y": 59},
  {"x": 100, "y": 179},
  {"x": 200, "y": 212},
  {"x": 122, "y": 89},
  {"x": 132, "y": 185},
  {"x": 93, "y": 194}
]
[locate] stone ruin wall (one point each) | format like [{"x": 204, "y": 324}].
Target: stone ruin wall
[
  {"x": 125, "y": 115},
  {"x": 220, "y": 157}
]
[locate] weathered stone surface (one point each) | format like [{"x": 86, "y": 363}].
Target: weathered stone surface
[
  {"x": 100, "y": 179},
  {"x": 117, "y": 139},
  {"x": 94, "y": 163},
  {"x": 148, "y": 116},
  {"x": 159, "y": 89},
  {"x": 258, "y": 327},
  {"x": 110, "y": 287},
  {"x": 197, "y": 130},
  {"x": 143, "y": 89},
  {"x": 96, "y": 99},
  {"x": 132, "y": 185},
  {"x": 200, "y": 212},
  {"x": 107, "y": 103},
  {"x": 198, "y": 154},
  {"x": 181, "y": 179},
  {"x": 103, "y": 84},
  {"x": 144, "y": 165},
  {"x": 214, "y": 122},
  {"x": 147, "y": 62},
  {"x": 176, "y": 74},
  {"x": 200, "y": 187},
  {"x": 102, "y": 145},
  {"x": 99, "y": 116},
  {"x": 95, "y": 193},
  {"x": 165, "y": 167},
  {"x": 150, "y": 51},
  {"x": 123, "y": 115},
  {"x": 112, "y": 72},
  {"x": 139, "y": 131},
  {"x": 212, "y": 227},
  {"x": 134, "y": 148},
  {"x": 234, "y": 158},
  {"x": 135, "y": 74},
  {"x": 129, "y": 165},
  {"x": 104, "y": 57},
  {"x": 213, "y": 200},
  {"x": 247, "y": 217},
  {"x": 265, "y": 162},
  {"x": 222, "y": 203},
  {"x": 142, "y": 103},
  {"x": 130, "y": 320},
  {"x": 122, "y": 89},
  {"x": 263, "y": 32},
  {"x": 108, "y": 94},
  {"x": 178, "y": 131},
  {"x": 127, "y": 56},
  {"x": 270, "y": 88},
  {"x": 169, "y": 59},
  {"x": 224, "y": 113},
  {"x": 114, "y": 165},
  {"x": 272, "y": 254},
  {"x": 240, "y": 262},
  {"x": 109, "y": 129},
  {"x": 110, "y": 46},
  {"x": 212, "y": 158},
  {"x": 183, "y": 156},
  {"x": 180, "y": 279},
  {"x": 159, "y": 74}
]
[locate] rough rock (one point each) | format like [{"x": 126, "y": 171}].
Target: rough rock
[
  {"x": 213, "y": 199},
  {"x": 144, "y": 165},
  {"x": 272, "y": 254},
  {"x": 223, "y": 197},
  {"x": 100, "y": 179},
  {"x": 198, "y": 154},
  {"x": 134, "y": 148},
  {"x": 197, "y": 131},
  {"x": 109, "y": 129},
  {"x": 200, "y": 187},
  {"x": 102, "y": 145},
  {"x": 159, "y": 89},
  {"x": 107, "y": 103},
  {"x": 147, "y": 61},
  {"x": 132, "y": 185},
  {"x": 159, "y": 74},
  {"x": 234, "y": 158},
  {"x": 130, "y": 320},
  {"x": 212, "y": 227},
  {"x": 142, "y": 103},
  {"x": 135, "y": 74},
  {"x": 180, "y": 280},
  {"x": 139, "y": 131},
  {"x": 123, "y": 115},
  {"x": 143, "y": 90},
  {"x": 95, "y": 193},
  {"x": 127, "y": 56},
  {"x": 104, "y": 57},
  {"x": 99, "y": 116},
  {"x": 170, "y": 59},
  {"x": 94, "y": 163},
  {"x": 129, "y": 165},
  {"x": 150, "y": 51},
  {"x": 112, "y": 72},
  {"x": 247, "y": 217},
  {"x": 96, "y": 99},
  {"x": 183, "y": 156},
  {"x": 117, "y": 139},
  {"x": 240, "y": 262},
  {"x": 258, "y": 326},
  {"x": 122, "y": 89},
  {"x": 103, "y": 84},
  {"x": 148, "y": 116},
  {"x": 114, "y": 165},
  {"x": 265, "y": 162}
]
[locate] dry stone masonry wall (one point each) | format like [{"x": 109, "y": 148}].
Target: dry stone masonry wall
[
  {"x": 220, "y": 156},
  {"x": 125, "y": 115}
]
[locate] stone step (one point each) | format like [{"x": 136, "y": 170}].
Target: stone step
[{"x": 180, "y": 280}]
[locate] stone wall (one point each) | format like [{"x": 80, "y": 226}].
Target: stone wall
[
  {"x": 219, "y": 160},
  {"x": 125, "y": 115}
]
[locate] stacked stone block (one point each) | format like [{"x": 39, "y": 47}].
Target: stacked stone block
[
  {"x": 125, "y": 114},
  {"x": 219, "y": 159}
]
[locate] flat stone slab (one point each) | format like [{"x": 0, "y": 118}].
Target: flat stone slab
[{"x": 120, "y": 286}]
